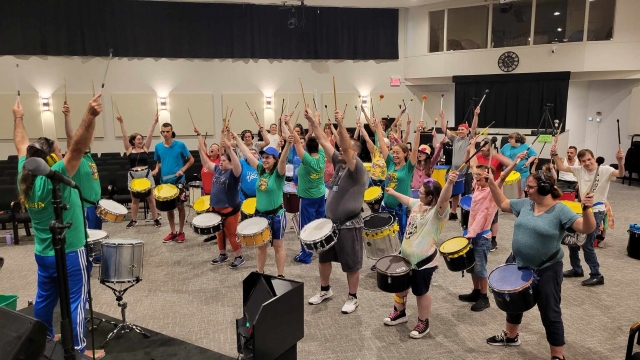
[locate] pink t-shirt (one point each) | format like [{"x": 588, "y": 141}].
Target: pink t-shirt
[{"x": 483, "y": 209}]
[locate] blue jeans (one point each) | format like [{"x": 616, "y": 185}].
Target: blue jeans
[
  {"x": 47, "y": 296},
  {"x": 589, "y": 253},
  {"x": 481, "y": 246},
  {"x": 310, "y": 210},
  {"x": 401, "y": 215}
]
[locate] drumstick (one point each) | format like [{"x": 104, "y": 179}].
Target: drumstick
[
  {"x": 484, "y": 96},
  {"x": 303, "y": 97},
  {"x": 191, "y": 117},
  {"x": 157, "y": 110},
  {"x": 117, "y": 110},
  {"x": 482, "y": 144},
  {"x": 335, "y": 98},
  {"x": 93, "y": 88},
  {"x": 619, "y": 142},
  {"x": 314, "y": 103},
  {"x": 65, "y": 90},
  {"x": 424, "y": 98},
  {"x": 441, "y": 100},
  {"x": 169, "y": 176},
  {"x": 555, "y": 140},
  {"x": 282, "y": 109},
  {"x": 107, "y": 69},
  {"x": 345, "y": 109},
  {"x": 15, "y": 77}
]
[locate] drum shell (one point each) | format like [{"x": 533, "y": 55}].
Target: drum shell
[
  {"x": 105, "y": 214},
  {"x": 395, "y": 282},
  {"x": 458, "y": 186},
  {"x": 510, "y": 189},
  {"x": 440, "y": 173},
  {"x": 386, "y": 245},
  {"x": 195, "y": 192},
  {"x": 256, "y": 239},
  {"x": 141, "y": 195},
  {"x": 464, "y": 218},
  {"x": 633, "y": 245},
  {"x": 375, "y": 203},
  {"x": 320, "y": 245},
  {"x": 460, "y": 260},
  {"x": 94, "y": 246},
  {"x": 167, "y": 205},
  {"x": 121, "y": 263},
  {"x": 515, "y": 302},
  {"x": 291, "y": 202},
  {"x": 207, "y": 230}
]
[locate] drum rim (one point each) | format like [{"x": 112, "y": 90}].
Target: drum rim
[
  {"x": 448, "y": 254},
  {"x": 165, "y": 198},
  {"x": 409, "y": 269},
  {"x": 471, "y": 196},
  {"x": 378, "y": 197},
  {"x": 335, "y": 240},
  {"x": 104, "y": 201},
  {"x": 333, "y": 229},
  {"x": 395, "y": 221},
  {"x": 512, "y": 181},
  {"x": 268, "y": 227},
  {"x": 138, "y": 241},
  {"x": 101, "y": 209},
  {"x": 207, "y": 226},
  {"x": 194, "y": 183},
  {"x": 509, "y": 291}
]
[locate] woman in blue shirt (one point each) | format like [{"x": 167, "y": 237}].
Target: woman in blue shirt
[{"x": 515, "y": 146}]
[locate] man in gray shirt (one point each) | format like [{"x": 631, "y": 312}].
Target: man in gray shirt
[
  {"x": 344, "y": 207},
  {"x": 460, "y": 143}
]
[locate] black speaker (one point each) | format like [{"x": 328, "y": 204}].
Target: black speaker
[{"x": 21, "y": 336}]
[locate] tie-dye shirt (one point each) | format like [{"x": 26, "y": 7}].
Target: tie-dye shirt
[
  {"x": 423, "y": 230},
  {"x": 378, "y": 165}
]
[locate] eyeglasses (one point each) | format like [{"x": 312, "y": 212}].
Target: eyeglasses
[{"x": 527, "y": 187}]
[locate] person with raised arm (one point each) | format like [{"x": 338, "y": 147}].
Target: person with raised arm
[
  {"x": 516, "y": 145},
  {"x": 378, "y": 164},
  {"x": 425, "y": 162},
  {"x": 137, "y": 151}
]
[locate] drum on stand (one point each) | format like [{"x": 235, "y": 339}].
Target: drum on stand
[
  {"x": 195, "y": 192},
  {"x": 94, "y": 242},
  {"x": 122, "y": 261},
  {"x": 633, "y": 245},
  {"x": 290, "y": 199},
  {"x": 166, "y": 196},
  {"x": 381, "y": 235},
  {"x": 457, "y": 254},
  {"x": 254, "y": 232},
  {"x": 202, "y": 205},
  {"x": 140, "y": 188},
  {"x": 111, "y": 211},
  {"x": 512, "y": 185},
  {"x": 393, "y": 274},
  {"x": 512, "y": 288},
  {"x": 373, "y": 198},
  {"x": 318, "y": 235},
  {"x": 248, "y": 208},
  {"x": 465, "y": 205},
  {"x": 207, "y": 224}
]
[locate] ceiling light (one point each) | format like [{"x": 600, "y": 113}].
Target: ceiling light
[
  {"x": 45, "y": 104},
  {"x": 559, "y": 29},
  {"x": 556, "y": 13}
]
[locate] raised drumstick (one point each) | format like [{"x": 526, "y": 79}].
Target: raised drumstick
[
  {"x": 107, "y": 68},
  {"x": 93, "y": 88},
  {"x": 335, "y": 97},
  {"x": 441, "y": 100},
  {"x": 65, "y": 91},
  {"x": 619, "y": 142},
  {"x": 326, "y": 109},
  {"x": 15, "y": 77},
  {"x": 118, "y": 110},
  {"x": 303, "y": 98},
  {"x": 484, "y": 96},
  {"x": 191, "y": 117}
]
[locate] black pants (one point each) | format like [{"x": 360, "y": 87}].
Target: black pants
[{"x": 547, "y": 294}]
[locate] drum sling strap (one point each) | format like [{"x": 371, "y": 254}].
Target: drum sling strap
[
  {"x": 270, "y": 212},
  {"x": 340, "y": 224},
  {"x": 420, "y": 264},
  {"x": 226, "y": 215},
  {"x": 512, "y": 259}
]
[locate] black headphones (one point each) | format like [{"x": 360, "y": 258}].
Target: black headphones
[
  {"x": 49, "y": 156},
  {"x": 544, "y": 186}
]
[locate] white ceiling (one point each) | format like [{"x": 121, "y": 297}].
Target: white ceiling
[{"x": 333, "y": 3}]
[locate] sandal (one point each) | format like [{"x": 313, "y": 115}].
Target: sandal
[{"x": 99, "y": 355}]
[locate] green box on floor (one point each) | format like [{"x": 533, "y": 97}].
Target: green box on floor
[{"x": 9, "y": 301}]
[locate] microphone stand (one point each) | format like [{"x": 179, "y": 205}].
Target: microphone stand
[{"x": 58, "y": 233}]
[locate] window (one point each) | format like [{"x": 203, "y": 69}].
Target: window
[
  {"x": 436, "y": 31},
  {"x": 559, "y": 21},
  {"x": 467, "y": 28},
  {"x": 601, "y": 14},
  {"x": 511, "y": 24}
]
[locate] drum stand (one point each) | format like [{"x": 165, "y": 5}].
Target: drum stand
[
  {"x": 125, "y": 326},
  {"x": 296, "y": 223}
]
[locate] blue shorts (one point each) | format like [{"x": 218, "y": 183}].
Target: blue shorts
[
  {"x": 481, "y": 246},
  {"x": 277, "y": 223}
]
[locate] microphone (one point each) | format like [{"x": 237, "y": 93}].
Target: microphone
[
  {"x": 37, "y": 166},
  {"x": 494, "y": 140}
]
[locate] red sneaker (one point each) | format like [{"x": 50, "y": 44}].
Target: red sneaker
[
  {"x": 180, "y": 237},
  {"x": 170, "y": 237}
]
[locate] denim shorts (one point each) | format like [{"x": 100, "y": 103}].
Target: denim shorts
[{"x": 481, "y": 246}]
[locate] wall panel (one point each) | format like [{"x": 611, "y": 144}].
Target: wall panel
[
  {"x": 78, "y": 104},
  {"x": 32, "y": 115}
]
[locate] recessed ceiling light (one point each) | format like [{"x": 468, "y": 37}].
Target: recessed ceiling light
[
  {"x": 559, "y": 29},
  {"x": 556, "y": 13}
]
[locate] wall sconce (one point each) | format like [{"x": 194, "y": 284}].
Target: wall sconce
[
  {"x": 45, "y": 104},
  {"x": 365, "y": 100},
  {"x": 163, "y": 103},
  {"x": 268, "y": 102}
]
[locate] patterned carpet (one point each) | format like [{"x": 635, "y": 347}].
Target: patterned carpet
[{"x": 183, "y": 296}]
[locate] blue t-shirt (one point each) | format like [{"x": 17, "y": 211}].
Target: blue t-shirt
[
  {"x": 172, "y": 158},
  {"x": 511, "y": 152},
  {"x": 224, "y": 188},
  {"x": 538, "y": 237},
  {"x": 248, "y": 180}
]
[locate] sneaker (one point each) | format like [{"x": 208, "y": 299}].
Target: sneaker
[
  {"x": 572, "y": 273},
  {"x": 157, "y": 223},
  {"x": 211, "y": 238},
  {"x": 350, "y": 305},
  {"x": 494, "y": 245},
  {"x": 473, "y": 297},
  {"x": 373, "y": 267},
  {"x": 320, "y": 297},
  {"x": 131, "y": 224},
  {"x": 558, "y": 358},
  {"x": 280, "y": 276},
  {"x": 181, "y": 237},
  {"x": 238, "y": 261},
  {"x": 220, "y": 259},
  {"x": 303, "y": 257},
  {"x": 169, "y": 238},
  {"x": 594, "y": 280},
  {"x": 481, "y": 304},
  {"x": 453, "y": 216},
  {"x": 395, "y": 317},
  {"x": 503, "y": 340},
  {"x": 97, "y": 260},
  {"x": 420, "y": 330},
  {"x": 601, "y": 244}
]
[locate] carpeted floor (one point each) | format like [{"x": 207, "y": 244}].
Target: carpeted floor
[{"x": 183, "y": 296}]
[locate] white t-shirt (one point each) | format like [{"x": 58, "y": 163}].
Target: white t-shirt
[
  {"x": 274, "y": 139},
  {"x": 586, "y": 178},
  {"x": 565, "y": 175}
]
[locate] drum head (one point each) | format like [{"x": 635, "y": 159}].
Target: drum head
[
  {"x": 249, "y": 206},
  {"x": 465, "y": 202},
  {"x": 317, "y": 229},
  {"x": 112, "y": 206},
  {"x": 454, "y": 245},
  {"x": 393, "y": 264},
  {"x": 575, "y": 206},
  {"x": 140, "y": 185},
  {"x": 96, "y": 234},
  {"x": 208, "y": 219},
  {"x": 512, "y": 178},
  {"x": 122, "y": 242},
  {"x": 165, "y": 191},
  {"x": 378, "y": 221},
  {"x": 508, "y": 277},
  {"x": 252, "y": 226},
  {"x": 372, "y": 193},
  {"x": 290, "y": 188},
  {"x": 202, "y": 203}
]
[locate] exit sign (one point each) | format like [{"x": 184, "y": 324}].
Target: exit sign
[{"x": 395, "y": 81}]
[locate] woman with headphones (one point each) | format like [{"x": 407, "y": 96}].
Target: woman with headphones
[
  {"x": 516, "y": 145},
  {"x": 247, "y": 139},
  {"x": 541, "y": 221},
  {"x": 137, "y": 151}
]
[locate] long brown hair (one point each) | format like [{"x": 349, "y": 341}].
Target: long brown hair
[
  {"x": 43, "y": 148},
  {"x": 404, "y": 148}
]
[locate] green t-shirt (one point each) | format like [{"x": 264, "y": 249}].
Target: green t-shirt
[
  {"x": 311, "y": 176},
  {"x": 40, "y": 210},
  {"x": 269, "y": 189},
  {"x": 87, "y": 179},
  {"x": 400, "y": 180}
]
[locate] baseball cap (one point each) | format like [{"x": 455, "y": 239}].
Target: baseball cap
[
  {"x": 463, "y": 125},
  {"x": 270, "y": 151},
  {"x": 424, "y": 148}
]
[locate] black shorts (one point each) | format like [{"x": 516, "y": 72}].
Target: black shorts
[
  {"x": 421, "y": 280},
  {"x": 495, "y": 218},
  {"x": 347, "y": 250}
]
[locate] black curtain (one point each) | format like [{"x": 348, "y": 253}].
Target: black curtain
[
  {"x": 195, "y": 30},
  {"x": 514, "y": 100}
]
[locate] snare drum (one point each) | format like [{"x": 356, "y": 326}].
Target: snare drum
[
  {"x": 290, "y": 198},
  {"x": 373, "y": 198},
  {"x": 111, "y": 211},
  {"x": 254, "y": 232},
  {"x": 512, "y": 185},
  {"x": 94, "y": 242},
  {"x": 633, "y": 244},
  {"x": 140, "y": 188},
  {"x": 195, "y": 192},
  {"x": 457, "y": 254},
  {"x": 202, "y": 205},
  {"x": 207, "y": 224},
  {"x": 318, "y": 235},
  {"x": 465, "y": 205},
  {"x": 121, "y": 261},
  {"x": 575, "y": 206},
  {"x": 512, "y": 288},
  {"x": 248, "y": 208},
  {"x": 458, "y": 186},
  {"x": 415, "y": 193},
  {"x": 440, "y": 174},
  {"x": 381, "y": 235},
  {"x": 393, "y": 274},
  {"x": 166, "y": 196}
]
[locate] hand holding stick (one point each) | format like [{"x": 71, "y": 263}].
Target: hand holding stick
[{"x": 482, "y": 144}]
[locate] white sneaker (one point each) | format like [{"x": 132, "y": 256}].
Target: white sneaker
[
  {"x": 350, "y": 305},
  {"x": 320, "y": 297}
]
